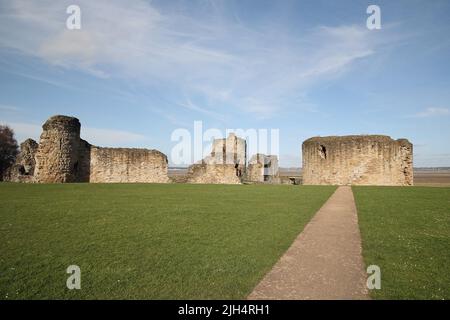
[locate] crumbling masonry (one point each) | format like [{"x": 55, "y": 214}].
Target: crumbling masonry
[
  {"x": 357, "y": 160},
  {"x": 263, "y": 169},
  {"x": 23, "y": 168},
  {"x": 225, "y": 165},
  {"x": 62, "y": 156}
]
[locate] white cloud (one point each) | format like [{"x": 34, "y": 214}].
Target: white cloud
[
  {"x": 95, "y": 136},
  {"x": 225, "y": 63},
  {"x": 9, "y": 108},
  {"x": 432, "y": 112},
  {"x": 192, "y": 106}
]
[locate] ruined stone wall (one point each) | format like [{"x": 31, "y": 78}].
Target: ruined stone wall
[
  {"x": 255, "y": 171},
  {"x": 127, "y": 165},
  {"x": 23, "y": 168},
  {"x": 225, "y": 165},
  {"x": 232, "y": 150},
  {"x": 213, "y": 174},
  {"x": 57, "y": 156},
  {"x": 357, "y": 160},
  {"x": 84, "y": 161},
  {"x": 28, "y": 150},
  {"x": 263, "y": 168},
  {"x": 63, "y": 157}
]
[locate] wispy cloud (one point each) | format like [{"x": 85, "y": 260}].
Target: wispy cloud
[
  {"x": 52, "y": 82},
  {"x": 431, "y": 112},
  {"x": 213, "y": 60},
  {"x": 9, "y": 108},
  {"x": 171, "y": 118},
  {"x": 193, "y": 107}
]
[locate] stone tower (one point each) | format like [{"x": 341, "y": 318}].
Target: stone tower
[
  {"x": 358, "y": 160},
  {"x": 263, "y": 168},
  {"x": 230, "y": 151},
  {"x": 225, "y": 165},
  {"x": 57, "y": 156},
  {"x": 23, "y": 169}
]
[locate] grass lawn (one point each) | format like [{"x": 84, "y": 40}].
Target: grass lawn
[
  {"x": 134, "y": 241},
  {"x": 406, "y": 232}
]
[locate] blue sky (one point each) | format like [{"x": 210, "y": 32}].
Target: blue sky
[{"x": 137, "y": 70}]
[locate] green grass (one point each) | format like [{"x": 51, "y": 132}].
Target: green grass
[
  {"x": 136, "y": 241},
  {"x": 406, "y": 232}
]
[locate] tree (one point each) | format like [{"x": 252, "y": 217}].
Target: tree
[{"x": 8, "y": 149}]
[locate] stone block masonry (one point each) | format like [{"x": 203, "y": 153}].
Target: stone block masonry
[
  {"x": 225, "y": 165},
  {"x": 213, "y": 174},
  {"x": 357, "y": 160},
  {"x": 23, "y": 168},
  {"x": 127, "y": 165},
  {"x": 263, "y": 169},
  {"x": 57, "y": 155},
  {"x": 62, "y": 156}
]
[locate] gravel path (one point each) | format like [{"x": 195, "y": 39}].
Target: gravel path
[{"x": 325, "y": 261}]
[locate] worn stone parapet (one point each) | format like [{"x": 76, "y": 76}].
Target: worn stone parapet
[
  {"x": 62, "y": 156},
  {"x": 23, "y": 168},
  {"x": 357, "y": 160},
  {"x": 263, "y": 168},
  {"x": 225, "y": 165},
  {"x": 57, "y": 156},
  {"x": 125, "y": 165},
  {"x": 213, "y": 174}
]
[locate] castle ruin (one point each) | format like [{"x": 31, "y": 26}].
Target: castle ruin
[
  {"x": 62, "y": 156},
  {"x": 357, "y": 160},
  {"x": 263, "y": 169},
  {"x": 225, "y": 165},
  {"x": 23, "y": 168}
]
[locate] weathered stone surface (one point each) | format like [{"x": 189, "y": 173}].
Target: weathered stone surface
[
  {"x": 263, "y": 168},
  {"x": 225, "y": 165},
  {"x": 84, "y": 161},
  {"x": 63, "y": 157},
  {"x": 28, "y": 150},
  {"x": 23, "y": 168},
  {"x": 127, "y": 165},
  {"x": 213, "y": 174},
  {"x": 357, "y": 160},
  {"x": 232, "y": 150},
  {"x": 57, "y": 156}
]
